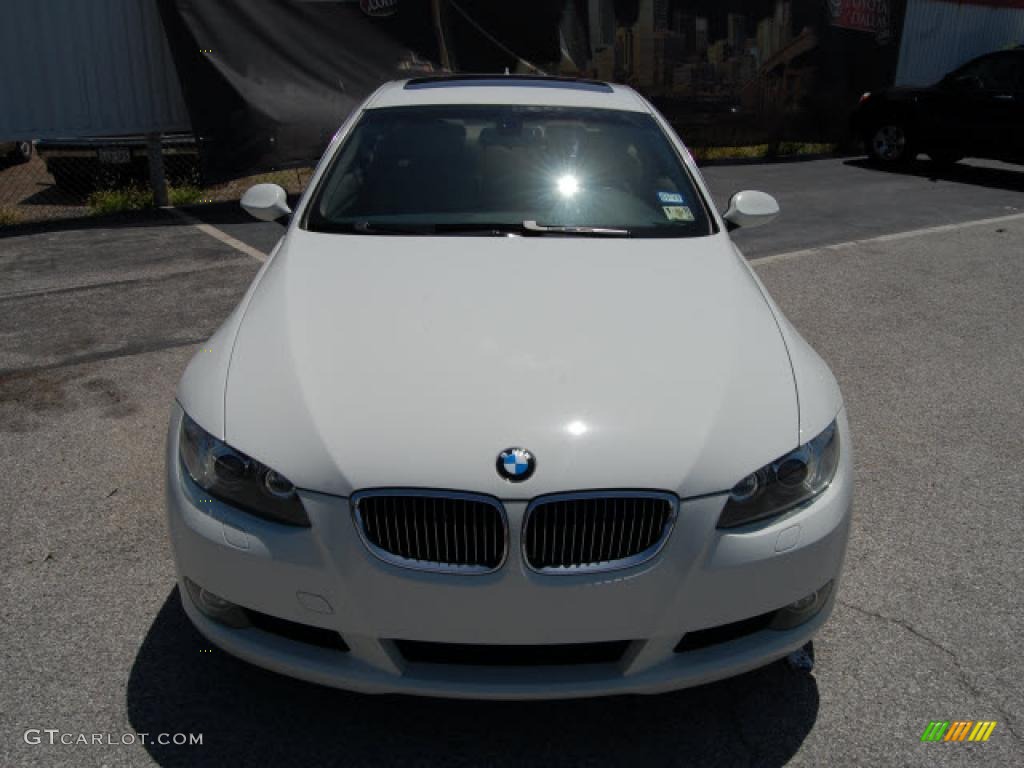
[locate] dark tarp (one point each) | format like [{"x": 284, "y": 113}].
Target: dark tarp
[{"x": 268, "y": 82}]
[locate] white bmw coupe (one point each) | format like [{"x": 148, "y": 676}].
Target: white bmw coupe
[{"x": 507, "y": 415}]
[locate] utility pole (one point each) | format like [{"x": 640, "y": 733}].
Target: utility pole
[
  {"x": 439, "y": 29},
  {"x": 157, "y": 181}
]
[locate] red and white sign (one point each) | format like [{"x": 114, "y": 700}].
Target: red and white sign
[{"x": 862, "y": 15}]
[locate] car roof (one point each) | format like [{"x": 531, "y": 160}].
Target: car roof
[{"x": 507, "y": 89}]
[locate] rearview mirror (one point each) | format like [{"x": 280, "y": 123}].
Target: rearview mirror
[
  {"x": 266, "y": 202},
  {"x": 750, "y": 208}
]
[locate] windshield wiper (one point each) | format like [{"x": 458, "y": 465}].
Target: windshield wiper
[
  {"x": 533, "y": 226},
  {"x": 477, "y": 228},
  {"x": 366, "y": 228},
  {"x": 495, "y": 230},
  {"x": 528, "y": 227}
]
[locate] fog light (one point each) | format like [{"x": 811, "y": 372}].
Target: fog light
[
  {"x": 216, "y": 607},
  {"x": 803, "y": 610}
]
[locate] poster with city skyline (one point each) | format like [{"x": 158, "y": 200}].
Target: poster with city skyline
[{"x": 745, "y": 70}]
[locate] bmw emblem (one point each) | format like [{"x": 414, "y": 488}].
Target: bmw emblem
[{"x": 516, "y": 464}]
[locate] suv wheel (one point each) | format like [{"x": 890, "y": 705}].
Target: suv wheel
[
  {"x": 889, "y": 144},
  {"x": 22, "y": 152}
]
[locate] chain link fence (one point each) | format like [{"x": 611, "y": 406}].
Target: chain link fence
[{"x": 52, "y": 180}]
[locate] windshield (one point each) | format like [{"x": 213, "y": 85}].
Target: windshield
[{"x": 498, "y": 169}]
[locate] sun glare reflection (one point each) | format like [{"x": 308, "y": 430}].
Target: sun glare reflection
[
  {"x": 577, "y": 428},
  {"x": 568, "y": 185}
]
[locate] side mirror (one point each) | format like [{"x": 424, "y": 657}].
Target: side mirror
[
  {"x": 266, "y": 202},
  {"x": 750, "y": 208}
]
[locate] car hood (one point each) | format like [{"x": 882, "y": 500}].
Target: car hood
[{"x": 374, "y": 361}]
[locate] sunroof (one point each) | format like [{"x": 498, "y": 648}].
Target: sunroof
[{"x": 507, "y": 81}]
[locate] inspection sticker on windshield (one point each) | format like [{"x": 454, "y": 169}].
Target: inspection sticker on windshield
[
  {"x": 677, "y": 212},
  {"x": 670, "y": 197}
]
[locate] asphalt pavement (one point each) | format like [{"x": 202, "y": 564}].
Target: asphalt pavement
[
  {"x": 823, "y": 201},
  {"x": 839, "y": 200},
  {"x": 924, "y": 332}
]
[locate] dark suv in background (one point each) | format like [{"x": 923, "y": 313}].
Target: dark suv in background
[{"x": 976, "y": 110}]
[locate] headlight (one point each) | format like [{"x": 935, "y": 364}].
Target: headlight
[
  {"x": 785, "y": 483},
  {"x": 236, "y": 479}
]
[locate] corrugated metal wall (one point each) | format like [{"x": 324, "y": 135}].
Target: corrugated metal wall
[
  {"x": 71, "y": 68},
  {"x": 939, "y": 35}
]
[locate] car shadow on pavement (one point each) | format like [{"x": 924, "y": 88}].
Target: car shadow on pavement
[
  {"x": 113, "y": 221},
  {"x": 960, "y": 173},
  {"x": 231, "y": 212},
  {"x": 249, "y": 716}
]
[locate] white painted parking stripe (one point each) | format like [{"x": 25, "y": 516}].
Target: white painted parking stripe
[
  {"x": 218, "y": 234},
  {"x": 789, "y": 255}
]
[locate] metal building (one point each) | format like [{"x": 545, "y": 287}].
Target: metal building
[
  {"x": 940, "y": 35},
  {"x": 86, "y": 68}
]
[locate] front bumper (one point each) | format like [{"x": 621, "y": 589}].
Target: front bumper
[{"x": 324, "y": 577}]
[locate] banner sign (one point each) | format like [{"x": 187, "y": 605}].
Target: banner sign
[
  {"x": 379, "y": 7},
  {"x": 861, "y": 15}
]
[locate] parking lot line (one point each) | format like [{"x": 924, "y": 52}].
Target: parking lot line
[
  {"x": 218, "y": 234},
  {"x": 789, "y": 255}
]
